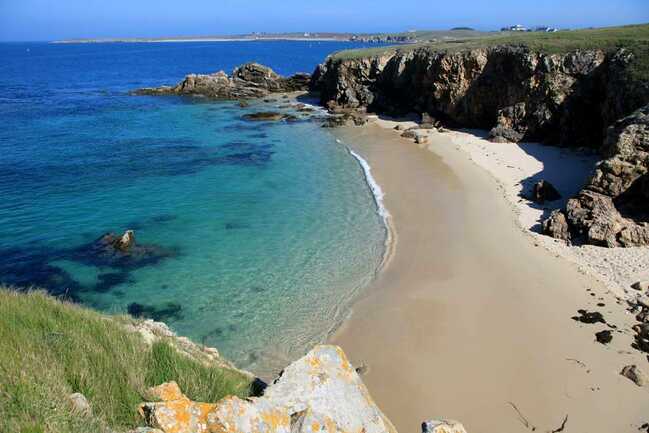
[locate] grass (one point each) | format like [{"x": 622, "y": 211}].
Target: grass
[
  {"x": 633, "y": 37},
  {"x": 51, "y": 349}
]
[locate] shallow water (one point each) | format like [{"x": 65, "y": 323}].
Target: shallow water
[{"x": 265, "y": 231}]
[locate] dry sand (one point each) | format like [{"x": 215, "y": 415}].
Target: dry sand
[{"x": 471, "y": 319}]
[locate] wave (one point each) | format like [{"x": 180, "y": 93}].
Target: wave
[{"x": 383, "y": 212}]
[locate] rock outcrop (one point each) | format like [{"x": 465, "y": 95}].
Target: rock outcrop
[
  {"x": 251, "y": 80},
  {"x": 518, "y": 93},
  {"x": 613, "y": 208},
  {"x": 321, "y": 392},
  {"x": 572, "y": 99}
]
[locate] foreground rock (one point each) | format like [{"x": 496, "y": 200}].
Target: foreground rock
[
  {"x": 442, "y": 426},
  {"x": 251, "y": 80},
  {"x": 612, "y": 210},
  {"x": 321, "y": 391}
]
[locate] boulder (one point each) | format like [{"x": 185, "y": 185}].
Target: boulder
[
  {"x": 421, "y": 139},
  {"x": 637, "y": 376},
  {"x": 612, "y": 210},
  {"x": 442, "y": 426},
  {"x": 641, "y": 286},
  {"x": 251, "y": 80},
  {"x": 319, "y": 391},
  {"x": 544, "y": 191},
  {"x": 80, "y": 404},
  {"x": 557, "y": 226}
]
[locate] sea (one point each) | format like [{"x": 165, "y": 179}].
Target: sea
[{"x": 257, "y": 236}]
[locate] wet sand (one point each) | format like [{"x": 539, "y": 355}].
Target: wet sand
[{"x": 470, "y": 320}]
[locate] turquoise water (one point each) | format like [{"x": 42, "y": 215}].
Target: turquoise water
[{"x": 266, "y": 231}]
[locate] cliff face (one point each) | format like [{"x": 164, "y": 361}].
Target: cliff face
[
  {"x": 576, "y": 99},
  {"x": 567, "y": 99}
]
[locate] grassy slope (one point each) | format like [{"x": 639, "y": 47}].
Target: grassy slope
[
  {"x": 634, "y": 38},
  {"x": 51, "y": 349}
]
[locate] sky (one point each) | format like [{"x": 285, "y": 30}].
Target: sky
[{"x": 26, "y": 20}]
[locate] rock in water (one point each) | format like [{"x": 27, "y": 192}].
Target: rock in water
[
  {"x": 126, "y": 241},
  {"x": 321, "y": 389},
  {"x": 544, "y": 191},
  {"x": 636, "y": 375},
  {"x": 251, "y": 80},
  {"x": 442, "y": 426}
]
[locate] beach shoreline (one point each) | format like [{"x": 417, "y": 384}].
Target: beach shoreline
[{"x": 463, "y": 289}]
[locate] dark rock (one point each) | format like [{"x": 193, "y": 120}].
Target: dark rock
[
  {"x": 500, "y": 134},
  {"x": 604, "y": 337},
  {"x": 544, "y": 191},
  {"x": 251, "y": 80},
  {"x": 119, "y": 251},
  {"x": 589, "y": 317},
  {"x": 642, "y": 286},
  {"x": 557, "y": 226},
  {"x": 637, "y": 376},
  {"x": 244, "y": 104}
]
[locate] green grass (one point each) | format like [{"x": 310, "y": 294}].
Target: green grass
[
  {"x": 634, "y": 37},
  {"x": 50, "y": 349}
]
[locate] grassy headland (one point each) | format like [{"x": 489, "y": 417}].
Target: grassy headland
[
  {"x": 634, "y": 38},
  {"x": 51, "y": 349}
]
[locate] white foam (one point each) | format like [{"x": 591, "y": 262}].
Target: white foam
[{"x": 378, "y": 195}]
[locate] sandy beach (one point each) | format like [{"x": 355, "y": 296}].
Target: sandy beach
[{"x": 471, "y": 318}]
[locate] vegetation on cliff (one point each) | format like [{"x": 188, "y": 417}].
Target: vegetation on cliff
[
  {"x": 52, "y": 349},
  {"x": 633, "y": 37}
]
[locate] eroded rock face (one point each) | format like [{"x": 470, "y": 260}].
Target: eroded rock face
[
  {"x": 321, "y": 392},
  {"x": 251, "y": 80},
  {"x": 516, "y": 93},
  {"x": 613, "y": 208}
]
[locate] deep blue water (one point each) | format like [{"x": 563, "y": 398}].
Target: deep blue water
[{"x": 261, "y": 234}]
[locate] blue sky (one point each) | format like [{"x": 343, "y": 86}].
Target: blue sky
[{"x": 52, "y": 19}]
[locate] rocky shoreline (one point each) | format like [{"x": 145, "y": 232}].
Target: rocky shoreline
[{"x": 578, "y": 99}]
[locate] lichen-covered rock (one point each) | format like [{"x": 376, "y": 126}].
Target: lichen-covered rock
[
  {"x": 175, "y": 413},
  {"x": 442, "y": 426},
  {"x": 319, "y": 393},
  {"x": 251, "y": 80}
]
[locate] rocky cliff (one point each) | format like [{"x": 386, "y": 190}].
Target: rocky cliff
[
  {"x": 251, "y": 80},
  {"x": 568, "y": 99}
]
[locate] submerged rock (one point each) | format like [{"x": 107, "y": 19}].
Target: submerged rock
[
  {"x": 268, "y": 116},
  {"x": 251, "y": 80},
  {"x": 119, "y": 251}
]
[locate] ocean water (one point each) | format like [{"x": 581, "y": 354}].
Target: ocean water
[{"x": 261, "y": 234}]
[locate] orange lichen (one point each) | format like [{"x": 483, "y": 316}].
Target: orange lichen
[{"x": 276, "y": 418}]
